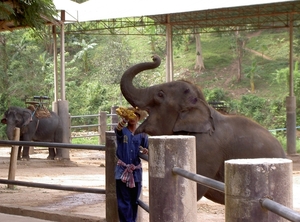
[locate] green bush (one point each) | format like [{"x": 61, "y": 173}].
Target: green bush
[
  {"x": 216, "y": 94},
  {"x": 269, "y": 113}
]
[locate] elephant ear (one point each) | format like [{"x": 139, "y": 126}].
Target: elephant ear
[
  {"x": 27, "y": 117},
  {"x": 197, "y": 119},
  {"x": 23, "y": 118},
  {"x": 4, "y": 120}
]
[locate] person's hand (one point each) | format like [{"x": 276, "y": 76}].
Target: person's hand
[
  {"x": 121, "y": 124},
  {"x": 143, "y": 150}
]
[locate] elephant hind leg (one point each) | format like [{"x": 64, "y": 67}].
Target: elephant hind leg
[
  {"x": 58, "y": 155},
  {"x": 55, "y": 154}
]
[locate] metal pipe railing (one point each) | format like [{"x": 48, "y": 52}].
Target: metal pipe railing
[
  {"x": 53, "y": 186},
  {"x": 213, "y": 184},
  {"x": 280, "y": 210},
  {"x": 143, "y": 205},
  {"x": 56, "y": 145}
]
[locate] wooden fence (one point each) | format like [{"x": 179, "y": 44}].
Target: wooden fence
[{"x": 106, "y": 122}]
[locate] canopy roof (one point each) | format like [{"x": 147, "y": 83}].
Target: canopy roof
[{"x": 186, "y": 14}]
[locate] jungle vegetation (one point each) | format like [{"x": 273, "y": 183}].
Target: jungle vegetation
[{"x": 96, "y": 61}]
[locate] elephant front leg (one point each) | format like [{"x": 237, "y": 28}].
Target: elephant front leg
[
  {"x": 19, "y": 152},
  {"x": 25, "y": 154},
  {"x": 51, "y": 153}
]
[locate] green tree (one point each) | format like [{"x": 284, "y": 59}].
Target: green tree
[
  {"x": 282, "y": 77},
  {"x": 251, "y": 73},
  {"x": 83, "y": 55}
]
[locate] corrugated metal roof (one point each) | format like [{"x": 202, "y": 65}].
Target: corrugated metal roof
[
  {"x": 98, "y": 10},
  {"x": 189, "y": 14}
]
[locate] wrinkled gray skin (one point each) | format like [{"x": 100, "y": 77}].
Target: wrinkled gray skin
[
  {"x": 179, "y": 107},
  {"x": 34, "y": 129}
]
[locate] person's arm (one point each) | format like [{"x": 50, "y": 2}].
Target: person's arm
[{"x": 145, "y": 144}]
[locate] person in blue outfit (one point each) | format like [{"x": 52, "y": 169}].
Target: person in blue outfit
[{"x": 128, "y": 171}]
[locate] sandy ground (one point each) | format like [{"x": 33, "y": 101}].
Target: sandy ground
[{"x": 85, "y": 169}]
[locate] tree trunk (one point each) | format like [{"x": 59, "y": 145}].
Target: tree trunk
[
  {"x": 199, "y": 59},
  {"x": 239, "y": 52},
  {"x": 4, "y": 84}
]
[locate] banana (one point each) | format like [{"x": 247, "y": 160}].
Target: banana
[{"x": 126, "y": 113}]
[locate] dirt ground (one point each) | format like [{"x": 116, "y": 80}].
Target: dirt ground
[{"x": 87, "y": 169}]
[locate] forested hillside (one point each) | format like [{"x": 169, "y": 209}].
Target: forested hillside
[{"x": 95, "y": 63}]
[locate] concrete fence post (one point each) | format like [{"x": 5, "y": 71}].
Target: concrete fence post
[
  {"x": 172, "y": 197},
  {"x": 110, "y": 182},
  {"x": 102, "y": 127},
  {"x": 249, "y": 180},
  {"x": 63, "y": 112}
]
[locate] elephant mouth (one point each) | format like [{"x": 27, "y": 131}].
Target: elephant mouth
[{"x": 142, "y": 127}]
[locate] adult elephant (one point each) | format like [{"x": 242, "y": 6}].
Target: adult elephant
[
  {"x": 179, "y": 108},
  {"x": 46, "y": 129}
]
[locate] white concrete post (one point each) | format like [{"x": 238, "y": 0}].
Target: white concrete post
[
  {"x": 172, "y": 197},
  {"x": 249, "y": 180}
]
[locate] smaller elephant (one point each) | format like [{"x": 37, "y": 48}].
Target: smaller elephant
[{"x": 32, "y": 128}]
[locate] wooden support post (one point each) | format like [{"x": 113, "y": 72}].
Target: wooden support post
[
  {"x": 110, "y": 182},
  {"x": 172, "y": 197},
  {"x": 249, "y": 180},
  {"x": 13, "y": 159},
  {"x": 102, "y": 127},
  {"x": 114, "y": 118}
]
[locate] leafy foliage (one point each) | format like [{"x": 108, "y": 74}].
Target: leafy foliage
[
  {"x": 216, "y": 94},
  {"x": 28, "y": 13},
  {"x": 282, "y": 77},
  {"x": 94, "y": 65}
]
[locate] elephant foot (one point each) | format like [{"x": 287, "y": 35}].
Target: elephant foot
[
  {"x": 50, "y": 157},
  {"x": 58, "y": 158},
  {"x": 25, "y": 158}
]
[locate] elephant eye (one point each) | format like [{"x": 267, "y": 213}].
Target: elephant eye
[
  {"x": 186, "y": 91},
  {"x": 160, "y": 94}
]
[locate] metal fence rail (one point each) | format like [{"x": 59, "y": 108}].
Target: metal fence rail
[
  {"x": 53, "y": 186},
  {"x": 280, "y": 210},
  {"x": 208, "y": 182},
  {"x": 143, "y": 205},
  {"x": 47, "y": 144}
]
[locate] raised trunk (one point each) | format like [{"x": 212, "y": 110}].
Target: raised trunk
[{"x": 137, "y": 97}]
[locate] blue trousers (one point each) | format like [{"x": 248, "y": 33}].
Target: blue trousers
[{"x": 127, "y": 201}]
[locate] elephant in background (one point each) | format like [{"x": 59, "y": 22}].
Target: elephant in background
[
  {"x": 34, "y": 129},
  {"x": 180, "y": 108}
]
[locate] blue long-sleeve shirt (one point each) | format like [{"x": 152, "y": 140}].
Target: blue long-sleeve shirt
[{"x": 128, "y": 151}]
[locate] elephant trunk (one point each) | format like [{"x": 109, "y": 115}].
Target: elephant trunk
[
  {"x": 10, "y": 132},
  {"x": 137, "y": 97}
]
